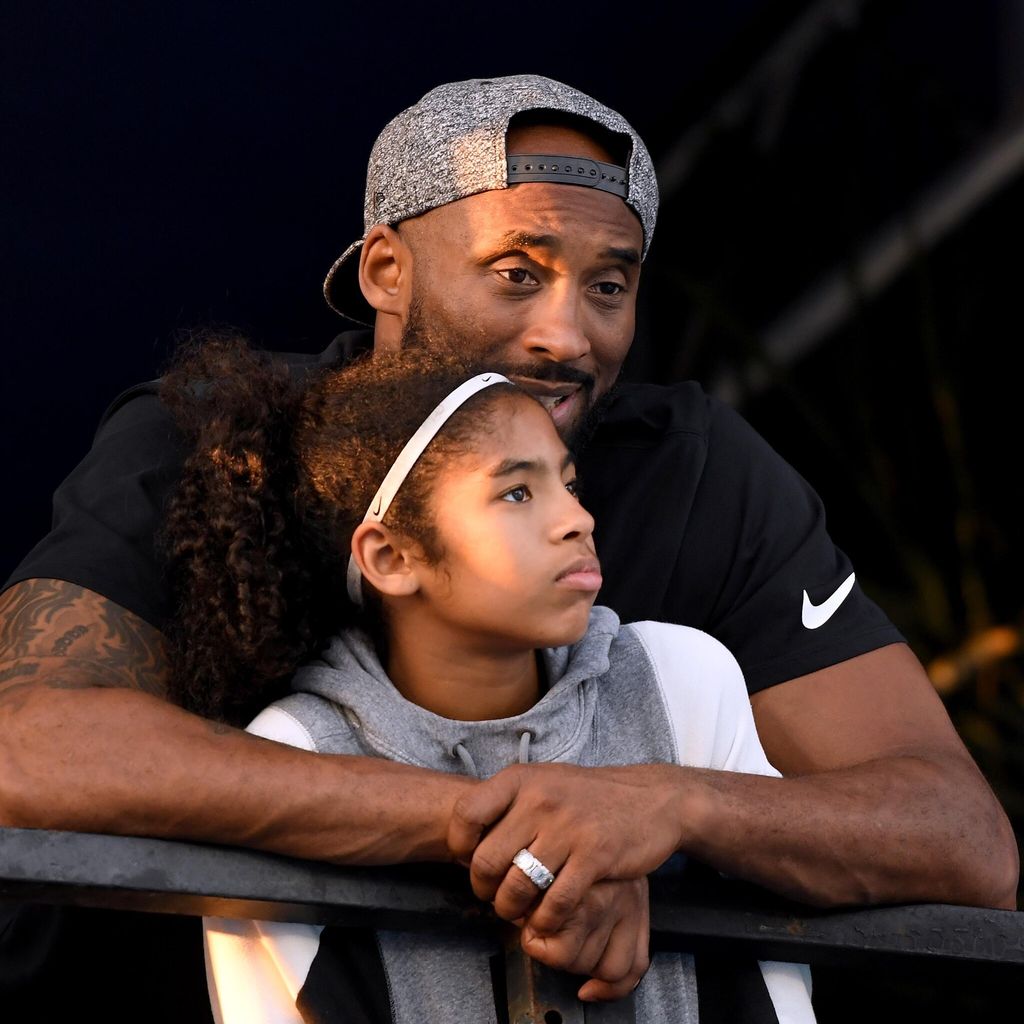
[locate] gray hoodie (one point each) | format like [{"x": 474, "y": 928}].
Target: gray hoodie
[{"x": 644, "y": 693}]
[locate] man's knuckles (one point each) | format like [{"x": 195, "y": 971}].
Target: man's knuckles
[
  {"x": 511, "y": 902},
  {"x": 562, "y": 952},
  {"x": 489, "y": 865}
]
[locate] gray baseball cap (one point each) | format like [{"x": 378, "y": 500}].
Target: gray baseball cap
[{"x": 451, "y": 144}]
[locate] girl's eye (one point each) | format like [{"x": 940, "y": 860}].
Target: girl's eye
[
  {"x": 573, "y": 488},
  {"x": 517, "y": 275},
  {"x": 517, "y": 494}
]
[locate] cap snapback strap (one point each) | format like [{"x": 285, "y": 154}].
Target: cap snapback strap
[{"x": 567, "y": 170}]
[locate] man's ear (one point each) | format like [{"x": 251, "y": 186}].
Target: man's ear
[
  {"x": 385, "y": 270},
  {"x": 385, "y": 560}
]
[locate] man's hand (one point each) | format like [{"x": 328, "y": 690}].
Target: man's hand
[
  {"x": 606, "y": 937},
  {"x": 584, "y": 824},
  {"x": 880, "y": 804}
]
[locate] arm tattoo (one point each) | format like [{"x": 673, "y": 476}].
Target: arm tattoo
[
  {"x": 61, "y": 645},
  {"x": 21, "y": 668},
  {"x": 73, "y": 637}
]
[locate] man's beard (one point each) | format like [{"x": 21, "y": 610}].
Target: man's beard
[
  {"x": 584, "y": 429},
  {"x": 446, "y": 335}
]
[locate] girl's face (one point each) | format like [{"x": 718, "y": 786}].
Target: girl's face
[{"x": 519, "y": 568}]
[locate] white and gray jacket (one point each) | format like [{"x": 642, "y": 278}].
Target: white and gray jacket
[{"x": 642, "y": 693}]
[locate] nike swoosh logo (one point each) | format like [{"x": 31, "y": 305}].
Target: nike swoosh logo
[
  {"x": 815, "y": 615},
  {"x": 376, "y": 508}
]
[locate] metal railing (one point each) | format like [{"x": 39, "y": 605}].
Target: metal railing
[{"x": 706, "y": 914}]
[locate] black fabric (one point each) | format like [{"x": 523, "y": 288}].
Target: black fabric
[
  {"x": 699, "y": 522},
  {"x": 346, "y": 983},
  {"x": 60, "y": 964},
  {"x": 106, "y": 512},
  {"x": 28, "y": 937},
  {"x": 731, "y": 992}
]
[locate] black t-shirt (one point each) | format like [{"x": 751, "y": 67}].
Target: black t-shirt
[{"x": 699, "y": 522}]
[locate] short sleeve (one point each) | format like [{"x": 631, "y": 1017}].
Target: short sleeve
[
  {"x": 701, "y": 523},
  {"x": 780, "y": 594},
  {"x": 107, "y": 511}
]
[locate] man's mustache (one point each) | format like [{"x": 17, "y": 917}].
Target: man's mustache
[{"x": 545, "y": 370}]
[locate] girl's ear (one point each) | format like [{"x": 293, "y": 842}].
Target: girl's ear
[
  {"x": 385, "y": 276},
  {"x": 384, "y": 560}
]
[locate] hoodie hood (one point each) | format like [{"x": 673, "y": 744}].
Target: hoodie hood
[{"x": 556, "y": 728}]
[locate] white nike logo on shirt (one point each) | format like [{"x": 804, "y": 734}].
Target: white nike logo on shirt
[{"x": 815, "y": 615}]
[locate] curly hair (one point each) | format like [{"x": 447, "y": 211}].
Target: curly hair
[{"x": 279, "y": 472}]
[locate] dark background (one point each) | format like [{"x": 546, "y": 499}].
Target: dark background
[{"x": 837, "y": 254}]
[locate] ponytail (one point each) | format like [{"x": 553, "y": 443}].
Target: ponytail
[{"x": 243, "y": 578}]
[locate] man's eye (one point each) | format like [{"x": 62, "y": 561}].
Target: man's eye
[
  {"x": 609, "y": 288},
  {"x": 518, "y": 275},
  {"x": 517, "y": 494},
  {"x": 573, "y": 488}
]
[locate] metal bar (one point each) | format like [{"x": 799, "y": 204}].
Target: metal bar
[
  {"x": 540, "y": 995},
  {"x": 537, "y": 994},
  {"x": 183, "y": 878}
]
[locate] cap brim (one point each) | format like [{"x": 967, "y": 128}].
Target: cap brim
[{"x": 342, "y": 291}]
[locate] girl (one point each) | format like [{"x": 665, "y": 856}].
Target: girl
[{"x": 416, "y": 519}]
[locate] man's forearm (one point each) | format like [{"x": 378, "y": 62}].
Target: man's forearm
[
  {"x": 899, "y": 829},
  {"x": 122, "y": 761},
  {"x": 88, "y": 743}
]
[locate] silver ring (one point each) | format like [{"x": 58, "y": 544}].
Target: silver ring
[{"x": 533, "y": 869}]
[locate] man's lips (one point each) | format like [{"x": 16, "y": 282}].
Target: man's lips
[
  {"x": 583, "y": 574},
  {"x": 560, "y": 399}
]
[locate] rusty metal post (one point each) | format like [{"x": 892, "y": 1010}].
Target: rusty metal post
[{"x": 540, "y": 995}]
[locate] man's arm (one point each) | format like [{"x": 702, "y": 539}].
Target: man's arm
[
  {"x": 880, "y": 800},
  {"x": 880, "y": 803},
  {"x": 88, "y": 743}
]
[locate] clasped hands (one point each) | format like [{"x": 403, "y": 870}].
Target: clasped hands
[{"x": 601, "y": 831}]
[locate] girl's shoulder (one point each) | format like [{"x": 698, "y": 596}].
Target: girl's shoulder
[
  {"x": 668, "y": 641},
  {"x": 286, "y": 721},
  {"x": 700, "y": 687}
]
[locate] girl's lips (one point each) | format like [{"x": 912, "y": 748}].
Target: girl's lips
[{"x": 582, "y": 575}]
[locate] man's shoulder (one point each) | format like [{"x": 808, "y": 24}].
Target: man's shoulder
[
  {"x": 641, "y": 413},
  {"x": 142, "y": 401}
]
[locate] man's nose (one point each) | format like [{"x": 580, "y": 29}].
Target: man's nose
[{"x": 557, "y": 331}]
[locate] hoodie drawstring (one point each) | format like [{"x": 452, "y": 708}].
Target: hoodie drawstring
[
  {"x": 466, "y": 758},
  {"x": 524, "y": 746},
  {"x": 460, "y": 751}
]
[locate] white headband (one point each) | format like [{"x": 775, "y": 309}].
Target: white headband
[{"x": 407, "y": 457}]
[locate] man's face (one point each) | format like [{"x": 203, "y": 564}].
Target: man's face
[{"x": 538, "y": 276}]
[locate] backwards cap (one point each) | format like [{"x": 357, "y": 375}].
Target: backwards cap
[{"x": 451, "y": 144}]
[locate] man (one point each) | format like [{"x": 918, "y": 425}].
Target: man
[{"x": 498, "y": 209}]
